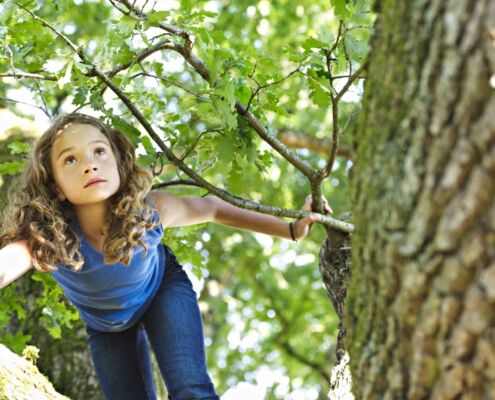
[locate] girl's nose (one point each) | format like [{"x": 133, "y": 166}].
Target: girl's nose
[{"x": 92, "y": 168}]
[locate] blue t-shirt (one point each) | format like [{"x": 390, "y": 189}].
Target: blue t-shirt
[{"x": 112, "y": 298}]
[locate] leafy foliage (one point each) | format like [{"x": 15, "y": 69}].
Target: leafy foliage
[{"x": 263, "y": 298}]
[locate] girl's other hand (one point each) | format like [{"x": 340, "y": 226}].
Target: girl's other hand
[{"x": 303, "y": 226}]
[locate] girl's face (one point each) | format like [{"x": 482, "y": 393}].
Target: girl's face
[{"x": 83, "y": 164}]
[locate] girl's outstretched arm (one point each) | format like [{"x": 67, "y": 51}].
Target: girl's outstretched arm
[
  {"x": 15, "y": 260},
  {"x": 177, "y": 211}
]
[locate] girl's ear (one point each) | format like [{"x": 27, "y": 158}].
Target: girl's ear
[{"x": 57, "y": 191}]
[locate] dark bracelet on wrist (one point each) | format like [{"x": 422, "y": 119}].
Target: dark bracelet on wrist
[{"x": 291, "y": 227}]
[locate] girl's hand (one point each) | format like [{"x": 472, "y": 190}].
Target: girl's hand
[{"x": 303, "y": 226}]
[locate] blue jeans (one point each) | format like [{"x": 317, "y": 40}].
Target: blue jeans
[{"x": 172, "y": 323}]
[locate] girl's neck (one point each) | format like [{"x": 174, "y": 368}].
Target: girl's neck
[{"x": 91, "y": 219}]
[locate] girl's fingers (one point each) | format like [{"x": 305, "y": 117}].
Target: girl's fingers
[
  {"x": 314, "y": 218},
  {"x": 328, "y": 208},
  {"x": 309, "y": 200}
]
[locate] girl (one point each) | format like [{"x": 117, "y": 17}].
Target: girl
[{"x": 85, "y": 214}]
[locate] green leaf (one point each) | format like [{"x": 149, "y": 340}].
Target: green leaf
[
  {"x": 82, "y": 67},
  {"x": 125, "y": 26},
  {"x": 313, "y": 43},
  {"x": 205, "y": 109},
  {"x": 265, "y": 160},
  {"x": 242, "y": 92},
  {"x": 11, "y": 167},
  {"x": 205, "y": 47},
  {"x": 319, "y": 96},
  {"x": 325, "y": 35},
  {"x": 158, "y": 16},
  {"x": 340, "y": 8},
  {"x": 182, "y": 242},
  {"x": 146, "y": 160},
  {"x": 80, "y": 97},
  {"x": 56, "y": 312},
  {"x": 124, "y": 54},
  {"x": 158, "y": 68},
  {"x": 18, "y": 148},
  {"x": 96, "y": 100},
  {"x": 235, "y": 179},
  {"x": 148, "y": 146},
  {"x": 145, "y": 40},
  {"x": 221, "y": 53},
  {"x": 201, "y": 15},
  {"x": 225, "y": 113},
  {"x": 129, "y": 130},
  {"x": 186, "y": 6},
  {"x": 66, "y": 78},
  {"x": 357, "y": 49}
]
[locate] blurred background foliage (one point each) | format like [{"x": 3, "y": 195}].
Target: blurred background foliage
[{"x": 267, "y": 317}]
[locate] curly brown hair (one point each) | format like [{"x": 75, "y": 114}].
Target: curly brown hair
[{"x": 37, "y": 215}]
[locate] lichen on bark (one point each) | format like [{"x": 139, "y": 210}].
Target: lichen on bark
[{"x": 20, "y": 379}]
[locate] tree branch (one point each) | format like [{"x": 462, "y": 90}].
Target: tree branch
[
  {"x": 176, "y": 183},
  {"x": 335, "y": 125},
  {"x": 335, "y": 116},
  {"x": 18, "y": 74}
]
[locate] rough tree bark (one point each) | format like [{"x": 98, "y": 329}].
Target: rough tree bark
[{"x": 421, "y": 300}]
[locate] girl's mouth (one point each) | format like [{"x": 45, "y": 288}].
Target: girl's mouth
[{"x": 94, "y": 182}]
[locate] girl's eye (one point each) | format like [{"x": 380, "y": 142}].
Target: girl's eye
[
  {"x": 69, "y": 160},
  {"x": 100, "y": 151}
]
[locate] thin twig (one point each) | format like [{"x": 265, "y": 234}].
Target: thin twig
[
  {"x": 350, "y": 81},
  {"x": 27, "y": 104},
  {"x": 42, "y": 98},
  {"x": 166, "y": 44},
  {"x": 339, "y": 32},
  {"x": 260, "y": 87},
  {"x": 349, "y": 61},
  {"x": 127, "y": 13},
  {"x": 175, "y": 84},
  {"x": 18, "y": 74},
  {"x": 346, "y": 77},
  {"x": 193, "y": 146}
]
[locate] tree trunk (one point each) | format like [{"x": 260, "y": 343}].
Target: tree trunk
[
  {"x": 21, "y": 380},
  {"x": 421, "y": 300}
]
